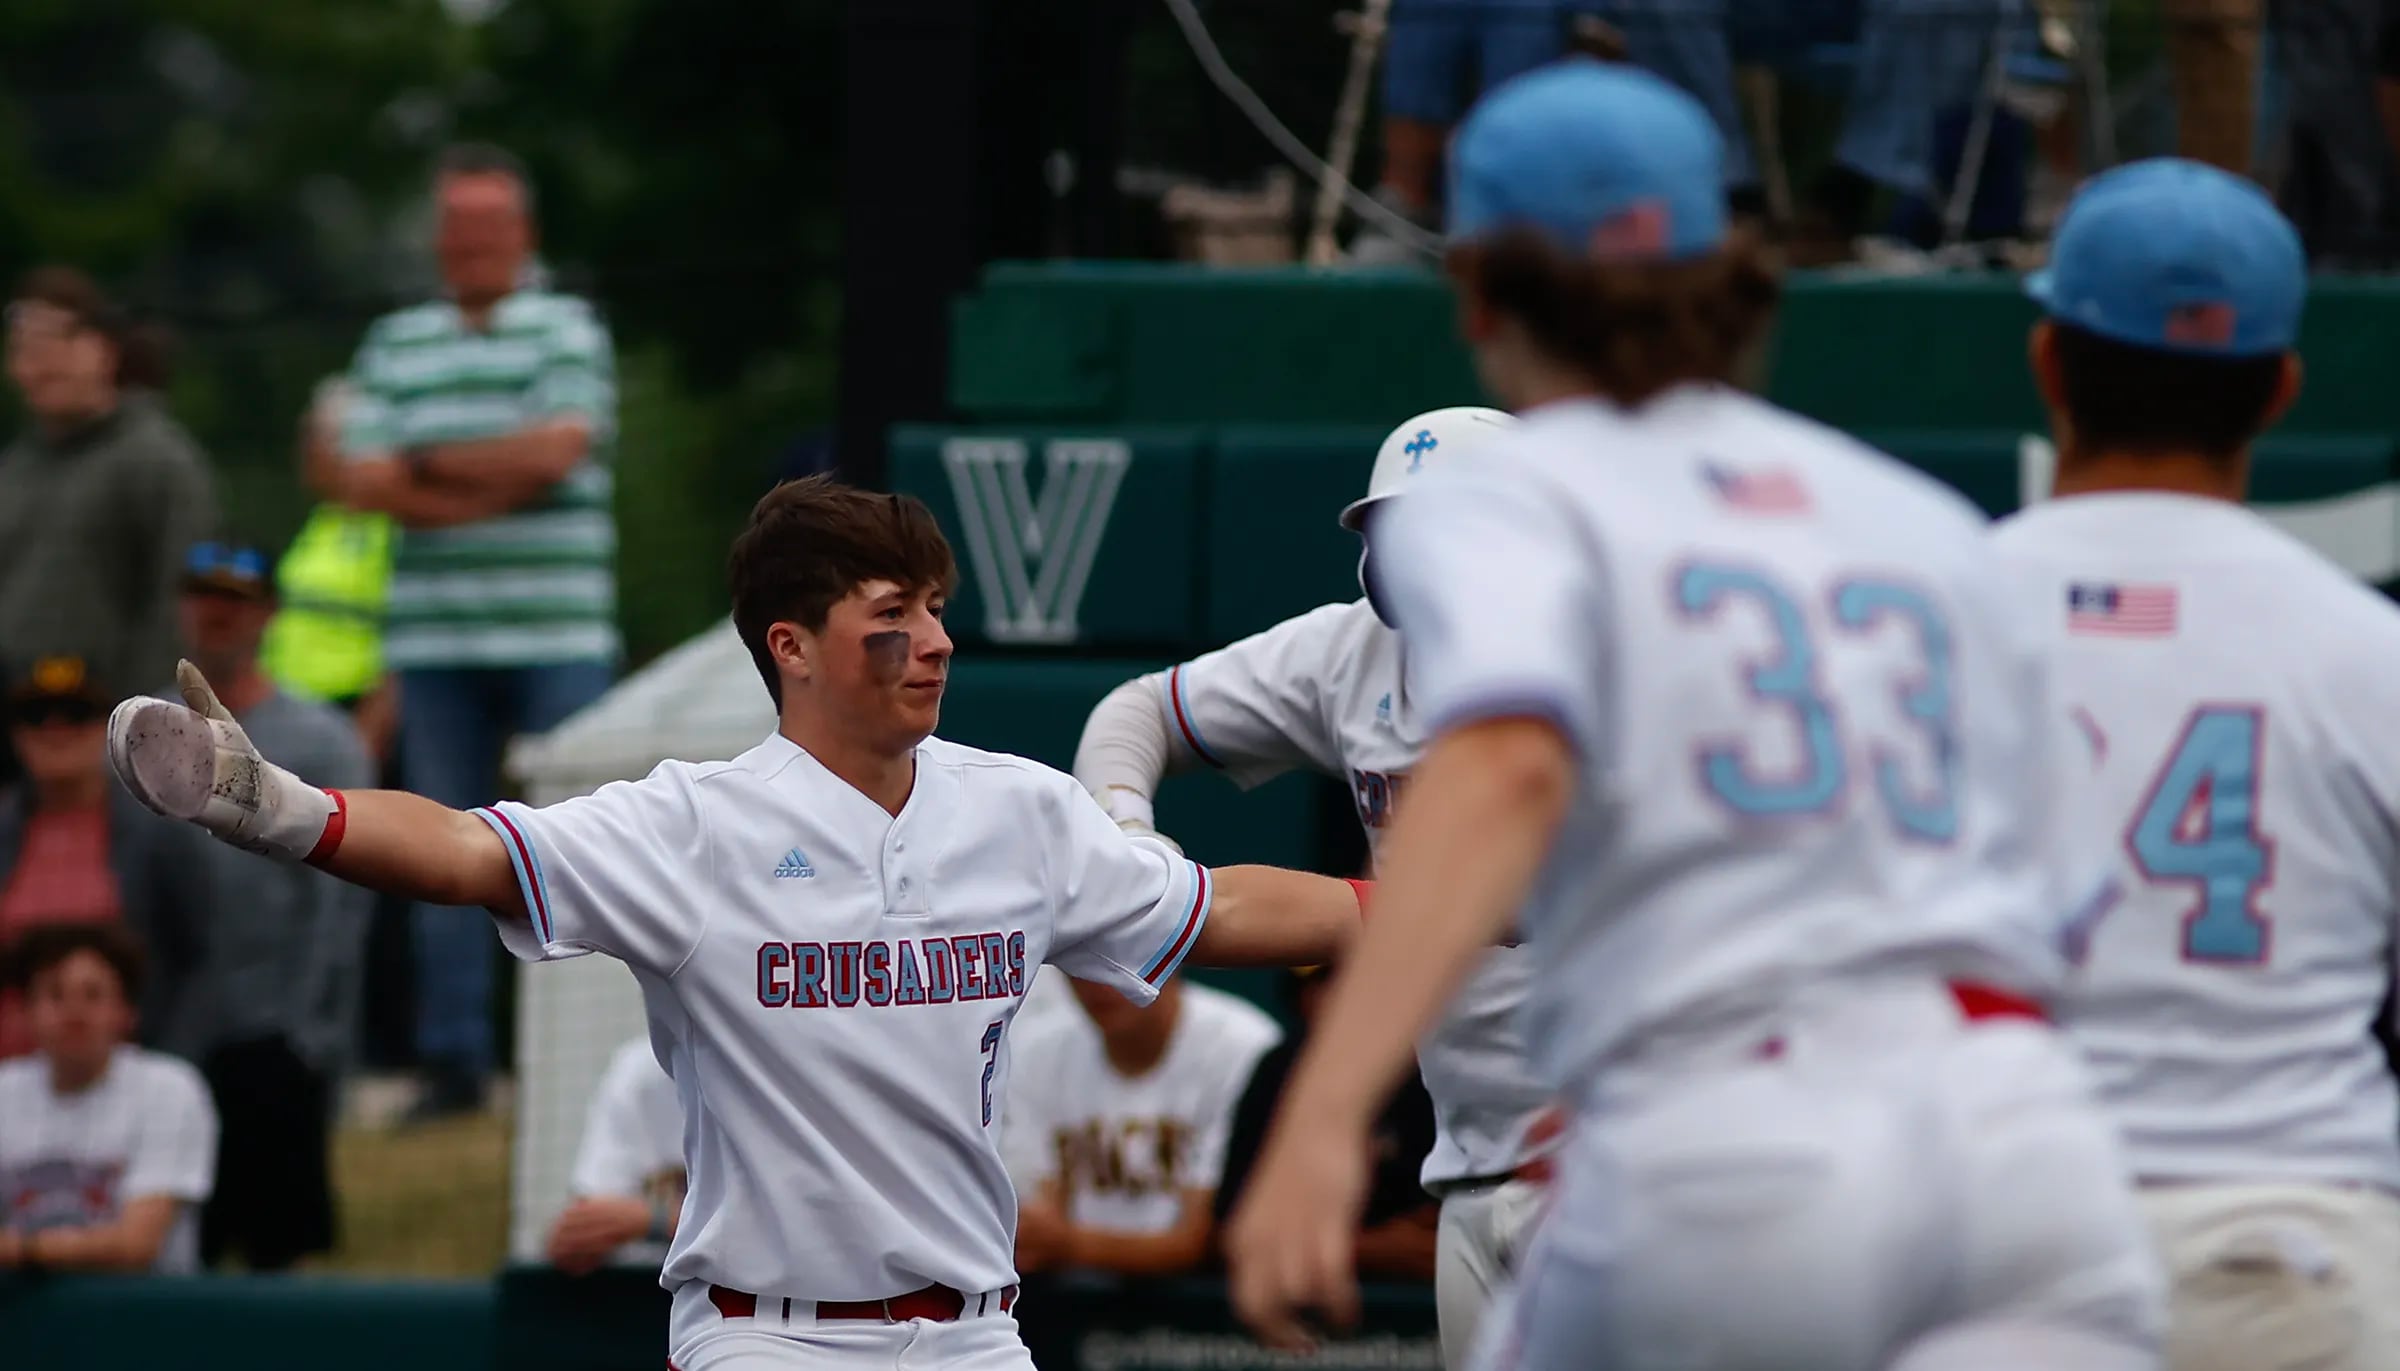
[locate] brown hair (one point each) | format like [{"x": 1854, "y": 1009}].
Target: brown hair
[
  {"x": 1636, "y": 328},
  {"x": 811, "y": 542},
  {"x": 2123, "y": 398},
  {"x": 44, "y": 946},
  {"x": 143, "y": 350}
]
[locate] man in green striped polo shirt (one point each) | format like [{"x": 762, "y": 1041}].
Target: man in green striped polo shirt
[{"x": 483, "y": 422}]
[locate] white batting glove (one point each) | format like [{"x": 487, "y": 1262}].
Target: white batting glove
[{"x": 192, "y": 762}]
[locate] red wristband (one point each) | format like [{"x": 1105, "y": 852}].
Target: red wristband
[
  {"x": 336, "y": 824},
  {"x": 1362, "y": 889}
]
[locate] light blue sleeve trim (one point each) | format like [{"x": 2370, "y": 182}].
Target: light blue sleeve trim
[
  {"x": 1180, "y": 943},
  {"x": 525, "y": 860}
]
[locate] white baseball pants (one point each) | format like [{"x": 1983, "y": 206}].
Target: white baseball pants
[
  {"x": 1873, "y": 1184},
  {"x": 1482, "y": 1234},
  {"x": 704, "y": 1340}
]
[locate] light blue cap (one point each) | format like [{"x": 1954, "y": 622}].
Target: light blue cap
[
  {"x": 1608, "y": 161},
  {"x": 2179, "y": 256}
]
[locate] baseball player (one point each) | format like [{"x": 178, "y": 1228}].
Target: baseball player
[
  {"x": 1737, "y": 717},
  {"x": 1325, "y": 691},
  {"x": 831, "y": 932},
  {"x": 2237, "y": 690}
]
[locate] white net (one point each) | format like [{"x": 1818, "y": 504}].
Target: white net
[{"x": 700, "y": 702}]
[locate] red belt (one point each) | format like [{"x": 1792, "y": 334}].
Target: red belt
[
  {"x": 1990, "y": 1002},
  {"x": 934, "y": 1304},
  {"x": 1976, "y": 1001}
]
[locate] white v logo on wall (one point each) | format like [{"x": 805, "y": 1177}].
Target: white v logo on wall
[
  {"x": 2359, "y": 532},
  {"x": 1032, "y": 555}
]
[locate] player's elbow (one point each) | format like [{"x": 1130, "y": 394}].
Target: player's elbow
[
  {"x": 1126, "y": 740},
  {"x": 1520, "y": 770}
]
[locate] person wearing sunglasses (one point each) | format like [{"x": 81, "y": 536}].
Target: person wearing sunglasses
[
  {"x": 76, "y": 848},
  {"x": 285, "y": 948}
]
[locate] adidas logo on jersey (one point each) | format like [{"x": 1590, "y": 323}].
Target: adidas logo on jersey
[{"x": 794, "y": 866}]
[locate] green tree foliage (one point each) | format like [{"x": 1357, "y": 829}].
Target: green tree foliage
[{"x": 253, "y": 175}]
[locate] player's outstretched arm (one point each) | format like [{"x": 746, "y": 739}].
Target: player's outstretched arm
[
  {"x": 1267, "y": 916},
  {"x": 1463, "y": 852},
  {"x": 193, "y": 763}
]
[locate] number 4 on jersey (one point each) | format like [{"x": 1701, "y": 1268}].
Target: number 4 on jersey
[{"x": 2200, "y": 825}]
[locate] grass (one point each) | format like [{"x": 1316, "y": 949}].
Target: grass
[{"x": 424, "y": 1201}]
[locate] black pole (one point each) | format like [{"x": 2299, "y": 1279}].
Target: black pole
[
  {"x": 908, "y": 230},
  {"x": 941, "y": 171}
]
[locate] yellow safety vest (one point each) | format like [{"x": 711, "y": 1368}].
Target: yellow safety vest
[{"x": 326, "y": 640}]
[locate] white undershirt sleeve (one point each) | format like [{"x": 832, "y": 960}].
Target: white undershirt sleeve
[{"x": 1126, "y": 751}]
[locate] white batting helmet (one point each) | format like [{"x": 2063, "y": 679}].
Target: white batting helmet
[{"x": 1416, "y": 447}]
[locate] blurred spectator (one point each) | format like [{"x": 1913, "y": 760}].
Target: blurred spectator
[
  {"x": 280, "y": 983},
  {"x": 2212, "y": 53},
  {"x": 2340, "y": 179},
  {"x": 105, "y": 1149},
  {"x": 482, "y": 423},
  {"x": 75, "y": 847},
  {"x": 326, "y": 640},
  {"x": 1397, "y": 1231},
  {"x": 1437, "y": 56},
  {"x": 629, "y": 1179},
  {"x": 1909, "y": 61},
  {"x": 101, "y": 493},
  {"x": 1116, "y": 1127}
]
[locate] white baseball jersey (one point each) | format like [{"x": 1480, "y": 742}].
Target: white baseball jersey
[
  {"x": 2238, "y": 691},
  {"x": 146, "y": 1128},
  {"x": 632, "y": 1143},
  {"x": 1806, "y": 713},
  {"x": 1123, "y": 1149},
  {"x": 830, "y": 986},
  {"x": 1325, "y": 690}
]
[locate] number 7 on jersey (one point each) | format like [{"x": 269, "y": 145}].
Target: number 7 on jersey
[{"x": 991, "y": 1065}]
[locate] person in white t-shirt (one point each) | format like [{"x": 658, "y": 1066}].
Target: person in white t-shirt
[
  {"x": 832, "y": 933},
  {"x": 107, "y": 1150},
  {"x": 1119, "y": 1121},
  {"x": 2237, "y": 690},
  {"x": 628, "y": 1182}
]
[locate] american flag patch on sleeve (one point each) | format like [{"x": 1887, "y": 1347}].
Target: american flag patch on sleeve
[
  {"x": 1756, "y": 492},
  {"x": 2121, "y": 611}
]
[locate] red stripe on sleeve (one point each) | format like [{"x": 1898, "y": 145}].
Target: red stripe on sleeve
[{"x": 1191, "y": 927}]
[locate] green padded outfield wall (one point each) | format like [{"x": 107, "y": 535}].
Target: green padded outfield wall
[{"x": 1147, "y": 461}]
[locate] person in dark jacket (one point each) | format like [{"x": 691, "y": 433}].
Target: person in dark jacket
[
  {"x": 100, "y": 494},
  {"x": 76, "y": 847}
]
